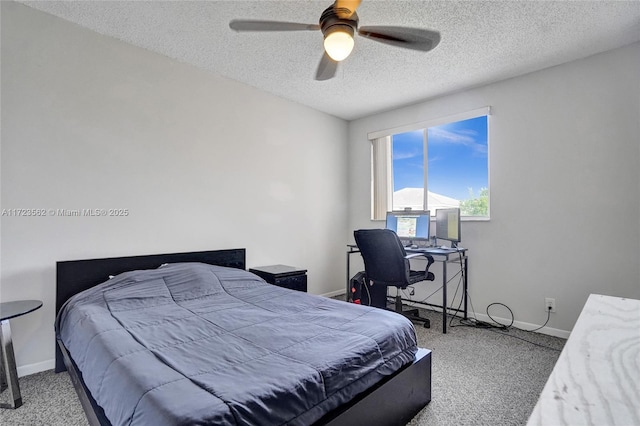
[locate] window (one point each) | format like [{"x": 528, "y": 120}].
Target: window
[{"x": 431, "y": 165}]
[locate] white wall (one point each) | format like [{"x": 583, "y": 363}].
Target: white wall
[
  {"x": 200, "y": 162},
  {"x": 564, "y": 180}
]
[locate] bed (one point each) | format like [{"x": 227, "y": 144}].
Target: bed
[{"x": 192, "y": 338}]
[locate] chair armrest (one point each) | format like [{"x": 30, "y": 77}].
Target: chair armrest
[
  {"x": 425, "y": 255},
  {"x": 412, "y": 255}
]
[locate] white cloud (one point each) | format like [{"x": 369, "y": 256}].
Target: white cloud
[
  {"x": 406, "y": 154},
  {"x": 465, "y": 137}
]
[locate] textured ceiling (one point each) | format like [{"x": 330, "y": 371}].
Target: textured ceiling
[{"x": 482, "y": 42}]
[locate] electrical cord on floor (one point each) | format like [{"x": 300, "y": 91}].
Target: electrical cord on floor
[
  {"x": 473, "y": 322},
  {"x": 528, "y": 341},
  {"x": 545, "y": 323},
  {"x": 500, "y": 325},
  {"x": 504, "y": 328}
]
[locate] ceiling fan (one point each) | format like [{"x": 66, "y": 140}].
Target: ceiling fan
[{"x": 339, "y": 23}]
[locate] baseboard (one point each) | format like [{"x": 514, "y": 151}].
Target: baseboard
[
  {"x": 25, "y": 370},
  {"x": 333, "y": 293}
]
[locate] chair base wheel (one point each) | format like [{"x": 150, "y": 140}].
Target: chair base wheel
[{"x": 411, "y": 312}]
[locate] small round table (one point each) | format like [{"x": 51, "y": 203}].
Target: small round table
[{"x": 9, "y": 373}]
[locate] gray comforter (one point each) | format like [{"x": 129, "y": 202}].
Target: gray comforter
[{"x": 192, "y": 344}]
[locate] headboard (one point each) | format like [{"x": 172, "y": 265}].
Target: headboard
[{"x": 74, "y": 276}]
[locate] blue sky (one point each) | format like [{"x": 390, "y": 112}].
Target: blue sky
[{"x": 457, "y": 158}]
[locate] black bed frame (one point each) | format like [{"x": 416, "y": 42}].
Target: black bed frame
[{"x": 393, "y": 401}]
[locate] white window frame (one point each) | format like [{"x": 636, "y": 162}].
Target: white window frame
[{"x": 381, "y": 170}]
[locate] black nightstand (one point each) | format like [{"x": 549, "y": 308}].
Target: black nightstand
[{"x": 283, "y": 276}]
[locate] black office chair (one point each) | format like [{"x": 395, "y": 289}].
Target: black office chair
[{"x": 386, "y": 263}]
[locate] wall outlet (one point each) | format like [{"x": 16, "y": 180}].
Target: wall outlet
[{"x": 549, "y": 303}]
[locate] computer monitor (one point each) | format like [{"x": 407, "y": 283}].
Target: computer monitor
[
  {"x": 412, "y": 226},
  {"x": 448, "y": 225}
]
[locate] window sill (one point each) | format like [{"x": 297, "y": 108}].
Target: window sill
[{"x": 475, "y": 218}]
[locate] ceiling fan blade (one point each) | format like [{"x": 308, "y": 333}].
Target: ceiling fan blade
[
  {"x": 346, "y": 8},
  {"x": 326, "y": 68},
  {"x": 256, "y": 25},
  {"x": 407, "y": 38}
]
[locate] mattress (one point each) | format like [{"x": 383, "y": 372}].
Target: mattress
[{"x": 190, "y": 343}]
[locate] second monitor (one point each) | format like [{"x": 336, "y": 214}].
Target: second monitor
[
  {"x": 411, "y": 226},
  {"x": 448, "y": 225}
]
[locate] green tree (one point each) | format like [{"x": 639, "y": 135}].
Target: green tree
[{"x": 476, "y": 206}]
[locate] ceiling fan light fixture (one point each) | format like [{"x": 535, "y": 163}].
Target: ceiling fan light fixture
[{"x": 338, "y": 42}]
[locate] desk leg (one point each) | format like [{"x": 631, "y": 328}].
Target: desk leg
[
  {"x": 3, "y": 377},
  {"x": 9, "y": 366},
  {"x": 444, "y": 297},
  {"x": 347, "y": 295},
  {"x": 465, "y": 285}
]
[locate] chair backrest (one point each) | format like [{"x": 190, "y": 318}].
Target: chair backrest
[{"x": 383, "y": 255}]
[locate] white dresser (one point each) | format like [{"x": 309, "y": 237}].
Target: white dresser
[{"x": 596, "y": 380}]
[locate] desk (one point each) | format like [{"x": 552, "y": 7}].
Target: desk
[
  {"x": 9, "y": 372},
  {"x": 439, "y": 255},
  {"x": 595, "y": 380}
]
